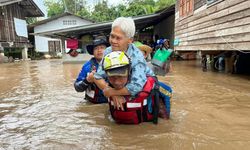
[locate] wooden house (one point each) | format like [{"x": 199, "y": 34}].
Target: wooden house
[
  {"x": 212, "y": 27},
  {"x": 13, "y": 27}
]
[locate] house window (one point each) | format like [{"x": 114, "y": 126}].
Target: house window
[
  {"x": 69, "y": 22},
  {"x": 186, "y": 7}
]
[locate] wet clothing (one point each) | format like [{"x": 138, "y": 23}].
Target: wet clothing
[
  {"x": 81, "y": 84},
  {"x": 139, "y": 69},
  {"x": 149, "y": 104},
  {"x": 143, "y": 108}
]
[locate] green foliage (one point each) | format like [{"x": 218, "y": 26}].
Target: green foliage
[
  {"x": 160, "y": 4},
  {"x": 141, "y": 7},
  {"x": 103, "y": 12},
  {"x": 77, "y": 7},
  {"x": 54, "y": 7},
  {"x": 31, "y": 20},
  {"x": 83, "y": 12},
  {"x": 14, "y": 52}
]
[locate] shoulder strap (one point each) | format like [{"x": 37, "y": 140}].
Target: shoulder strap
[{"x": 92, "y": 64}]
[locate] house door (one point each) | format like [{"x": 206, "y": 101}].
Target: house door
[{"x": 54, "y": 47}]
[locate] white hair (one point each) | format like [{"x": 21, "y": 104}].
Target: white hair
[{"x": 127, "y": 25}]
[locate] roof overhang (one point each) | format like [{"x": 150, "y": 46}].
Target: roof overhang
[
  {"x": 8, "y": 2},
  {"x": 32, "y": 10},
  {"x": 29, "y": 6},
  {"x": 140, "y": 22},
  {"x": 56, "y": 17}
]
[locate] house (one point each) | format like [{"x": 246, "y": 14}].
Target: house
[
  {"x": 13, "y": 28},
  {"x": 215, "y": 28},
  {"x": 161, "y": 21},
  {"x": 54, "y": 45}
]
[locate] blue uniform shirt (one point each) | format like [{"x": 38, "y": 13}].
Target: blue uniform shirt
[
  {"x": 139, "y": 67},
  {"x": 86, "y": 68},
  {"x": 81, "y": 83}
]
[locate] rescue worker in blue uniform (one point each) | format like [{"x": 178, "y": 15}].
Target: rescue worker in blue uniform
[{"x": 83, "y": 82}]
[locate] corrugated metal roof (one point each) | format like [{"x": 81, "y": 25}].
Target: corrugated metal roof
[
  {"x": 8, "y": 2},
  {"x": 31, "y": 9},
  {"x": 140, "y": 22}
]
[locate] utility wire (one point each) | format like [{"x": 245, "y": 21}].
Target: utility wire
[{"x": 221, "y": 36}]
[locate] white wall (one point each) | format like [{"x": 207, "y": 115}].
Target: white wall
[
  {"x": 58, "y": 24},
  {"x": 41, "y": 43}
]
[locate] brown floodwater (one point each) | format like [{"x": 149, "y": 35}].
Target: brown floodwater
[{"x": 39, "y": 109}]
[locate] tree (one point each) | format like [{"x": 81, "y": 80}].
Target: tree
[
  {"x": 54, "y": 7},
  {"x": 103, "y": 12},
  {"x": 160, "y": 4}
]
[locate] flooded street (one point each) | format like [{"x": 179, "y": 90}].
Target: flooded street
[{"x": 39, "y": 109}]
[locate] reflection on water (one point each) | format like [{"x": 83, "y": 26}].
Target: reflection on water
[{"x": 39, "y": 109}]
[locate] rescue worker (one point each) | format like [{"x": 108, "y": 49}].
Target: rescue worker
[
  {"x": 121, "y": 37},
  {"x": 83, "y": 82},
  {"x": 144, "y": 106}
]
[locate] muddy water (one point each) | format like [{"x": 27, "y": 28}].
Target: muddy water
[{"x": 39, "y": 109}]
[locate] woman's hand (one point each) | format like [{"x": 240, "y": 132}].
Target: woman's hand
[
  {"x": 118, "y": 102},
  {"x": 108, "y": 92}
]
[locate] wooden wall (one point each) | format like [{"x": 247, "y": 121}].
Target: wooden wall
[
  {"x": 199, "y": 3},
  {"x": 220, "y": 26},
  {"x": 7, "y": 28}
]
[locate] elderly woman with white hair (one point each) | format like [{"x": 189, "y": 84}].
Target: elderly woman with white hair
[{"x": 121, "y": 39}]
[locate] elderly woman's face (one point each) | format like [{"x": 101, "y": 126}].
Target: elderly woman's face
[{"x": 118, "y": 40}]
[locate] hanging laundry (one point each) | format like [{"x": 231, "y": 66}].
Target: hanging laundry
[{"x": 72, "y": 43}]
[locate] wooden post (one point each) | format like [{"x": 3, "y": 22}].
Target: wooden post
[
  {"x": 63, "y": 46},
  {"x": 212, "y": 62},
  {"x": 1, "y": 50},
  {"x": 25, "y": 53},
  {"x": 229, "y": 64}
]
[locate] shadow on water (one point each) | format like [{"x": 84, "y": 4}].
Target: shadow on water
[{"x": 39, "y": 109}]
